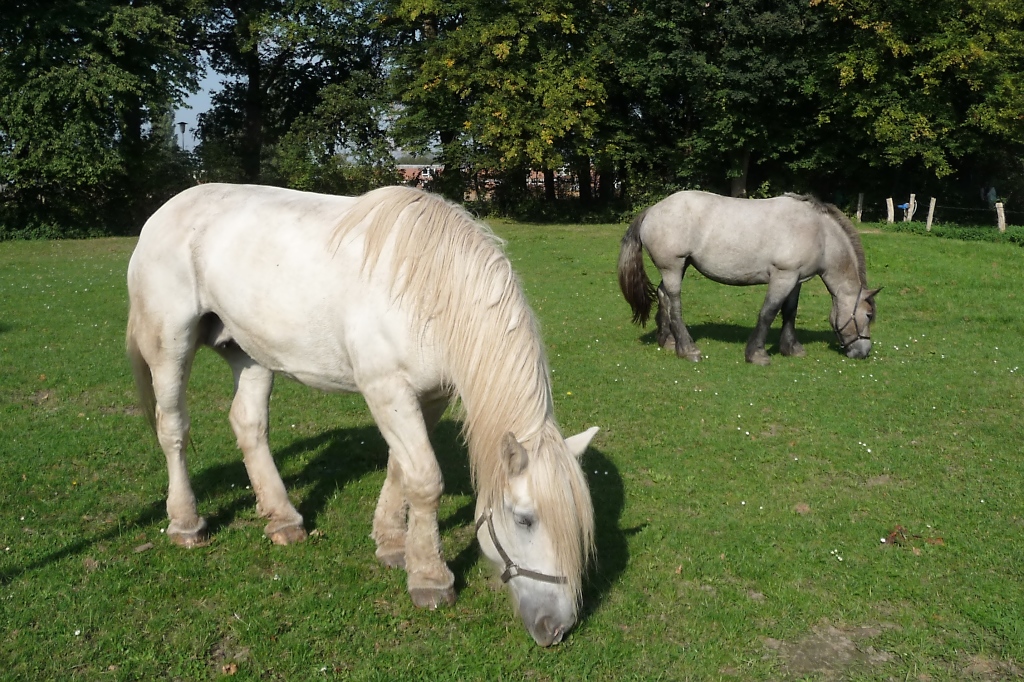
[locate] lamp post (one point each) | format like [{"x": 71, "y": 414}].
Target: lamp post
[{"x": 181, "y": 126}]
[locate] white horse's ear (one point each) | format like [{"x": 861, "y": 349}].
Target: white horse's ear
[
  {"x": 578, "y": 443},
  {"x": 514, "y": 455}
]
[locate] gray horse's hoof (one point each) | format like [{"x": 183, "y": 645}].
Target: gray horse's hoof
[
  {"x": 759, "y": 358},
  {"x": 692, "y": 354},
  {"x": 286, "y": 535},
  {"x": 391, "y": 558},
  {"x": 431, "y": 598},
  {"x": 794, "y": 351}
]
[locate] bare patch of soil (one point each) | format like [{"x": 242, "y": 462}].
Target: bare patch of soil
[
  {"x": 830, "y": 652},
  {"x": 988, "y": 670}
]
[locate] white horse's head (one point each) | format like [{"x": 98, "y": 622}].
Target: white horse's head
[
  {"x": 538, "y": 533},
  {"x": 851, "y": 319}
]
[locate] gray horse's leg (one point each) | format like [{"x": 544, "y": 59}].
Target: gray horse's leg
[
  {"x": 779, "y": 289},
  {"x": 250, "y": 421},
  {"x": 787, "y": 341},
  {"x": 665, "y": 338},
  {"x": 390, "y": 518},
  {"x": 672, "y": 285}
]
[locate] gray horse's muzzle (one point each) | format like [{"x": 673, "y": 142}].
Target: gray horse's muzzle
[{"x": 859, "y": 349}]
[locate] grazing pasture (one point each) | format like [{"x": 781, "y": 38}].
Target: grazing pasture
[{"x": 740, "y": 509}]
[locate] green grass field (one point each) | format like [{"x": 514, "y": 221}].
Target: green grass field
[{"x": 740, "y": 509}]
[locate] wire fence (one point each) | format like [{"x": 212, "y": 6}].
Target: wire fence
[{"x": 966, "y": 216}]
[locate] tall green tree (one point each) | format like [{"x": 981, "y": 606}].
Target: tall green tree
[
  {"x": 84, "y": 91},
  {"x": 302, "y": 93},
  {"x": 703, "y": 94},
  {"x": 929, "y": 89},
  {"x": 497, "y": 86}
]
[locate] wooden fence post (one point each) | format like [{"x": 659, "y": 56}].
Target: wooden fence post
[
  {"x": 1000, "y": 217},
  {"x": 908, "y": 215},
  {"x": 931, "y": 214},
  {"x": 860, "y": 205},
  {"x": 891, "y": 210}
]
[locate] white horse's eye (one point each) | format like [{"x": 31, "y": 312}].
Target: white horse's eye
[{"x": 524, "y": 521}]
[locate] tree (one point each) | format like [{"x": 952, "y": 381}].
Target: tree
[
  {"x": 84, "y": 90},
  {"x": 497, "y": 86},
  {"x": 701, "y": 94},
  {"x": 932, "y": 91},
  {"x": 303, "y": 92}
]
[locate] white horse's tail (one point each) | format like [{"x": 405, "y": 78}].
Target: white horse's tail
[
  {"x": 636, "y": 286},
  {"x": 143, "y": 375}
]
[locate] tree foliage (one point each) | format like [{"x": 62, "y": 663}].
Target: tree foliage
[
  {"x": 302, "y": 95},
  {"x": 647, "y": 96},
  {"x": 934, "y": 88},
  {"x": 82, "y": 119}
]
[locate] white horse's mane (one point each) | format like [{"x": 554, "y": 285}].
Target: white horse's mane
[{"x": 451, "y": 272}]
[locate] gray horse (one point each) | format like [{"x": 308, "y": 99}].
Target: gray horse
[{"x": 781, "y": 242}]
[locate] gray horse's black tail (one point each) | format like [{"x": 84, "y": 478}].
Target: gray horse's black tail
[{"x": 636, "y": 286}]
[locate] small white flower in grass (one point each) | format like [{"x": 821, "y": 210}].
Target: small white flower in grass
[
  {"x": 77, "y": 633},
  {"x": 882, "y": 540}
]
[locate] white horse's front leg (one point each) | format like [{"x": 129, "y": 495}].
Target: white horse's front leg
[
  {"x": 401, "y": 422},
  {"x": 250, "y": 421},
  {"x": 390, "y": 519}
]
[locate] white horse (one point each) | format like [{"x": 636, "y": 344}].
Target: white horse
[
  {"x": 404, "y": 298},
  {"x": 781, "y": 242}
]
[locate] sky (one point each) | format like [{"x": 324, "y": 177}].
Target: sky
[{"x": 197, "y": 103}]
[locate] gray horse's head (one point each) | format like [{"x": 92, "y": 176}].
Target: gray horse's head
[{"x": 851, "y": 319}]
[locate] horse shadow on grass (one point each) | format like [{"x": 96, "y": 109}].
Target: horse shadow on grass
[
  {"x": 737, "y": 334},
  {"x": 346, "y": 455}
]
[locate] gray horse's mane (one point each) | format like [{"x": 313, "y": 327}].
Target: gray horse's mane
[{"x": 844, "y": 222}]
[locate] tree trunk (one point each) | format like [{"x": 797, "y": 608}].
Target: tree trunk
[
  {"x": 252, "y": 134},
  {"x": 606, "y": 184},
  {"x": 739, "y": 182},
  {"x": 549, "y": 184},
  {"x": 583, "y": 176}
]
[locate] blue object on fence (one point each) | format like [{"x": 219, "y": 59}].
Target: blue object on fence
[{"x": 904, "y": 206}]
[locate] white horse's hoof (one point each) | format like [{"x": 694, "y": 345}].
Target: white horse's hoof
[
  {"x": 431, "y": 598},
  {"x": 391, "y": 558},
  {"x": 287, "y": 535},
  {"x": 197, "y": 536}
]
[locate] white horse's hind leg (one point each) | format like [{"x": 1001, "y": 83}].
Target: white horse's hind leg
[
  {"x": 390, "y": 520},
  {"x": 250, "y": 421},
  {"x": 170, "y": 367},
  {"x": 401, "y": 422}
]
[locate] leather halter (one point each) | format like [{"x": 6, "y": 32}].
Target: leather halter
[
  {"x": 511, "y": 568},
  {"x": 856, "y": 327}
]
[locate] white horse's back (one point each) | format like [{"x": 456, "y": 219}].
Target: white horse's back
[{"x": 258, "y": 259}]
